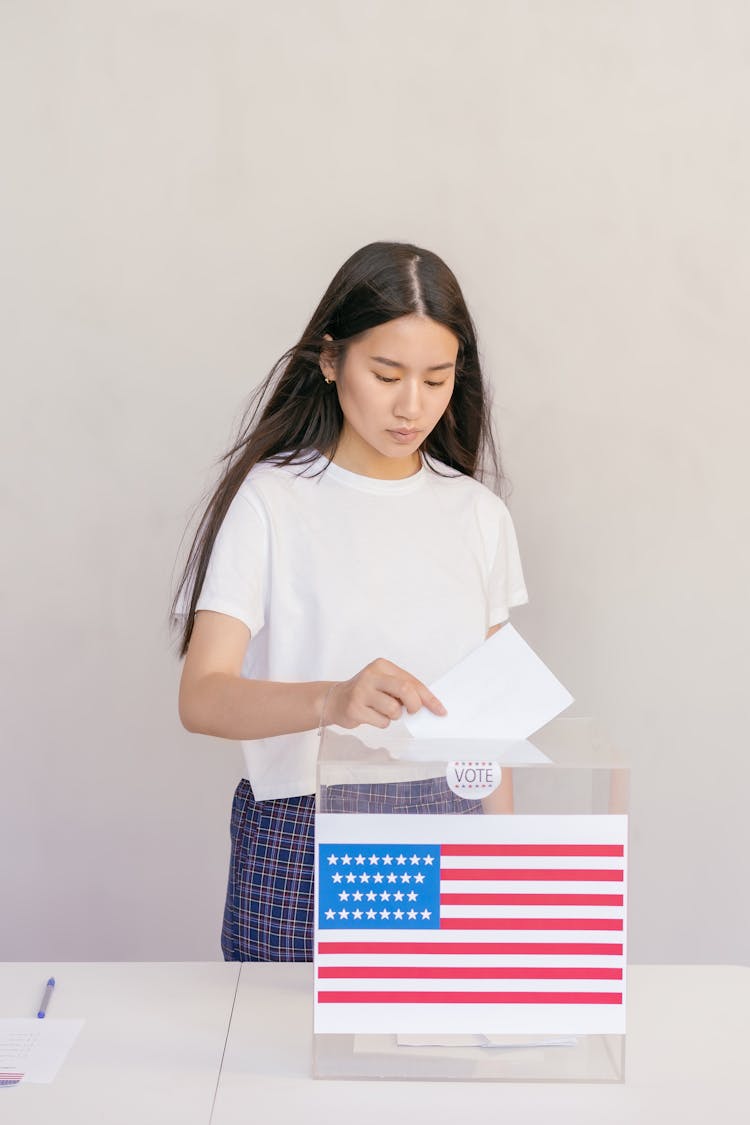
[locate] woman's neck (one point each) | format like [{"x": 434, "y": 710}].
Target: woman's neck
[
  {"x": 358, "y": 457},
  {"x": 385, "y": 468}
]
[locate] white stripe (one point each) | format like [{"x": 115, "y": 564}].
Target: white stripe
[
  {"x": 545, "y": 862},
  {"x": 349, "y": 829},
  {"x": 523, "y": 887},
  {"x": 419, "y": 984},
  {"x": 430, "y": 937},
  {"x": 507, "y": 961},
  {"x": 531, "y": 912},
  {"x": 568, "y": 937}
]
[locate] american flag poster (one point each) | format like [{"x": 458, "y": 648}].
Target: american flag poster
[{"x": 470, "y": 924}]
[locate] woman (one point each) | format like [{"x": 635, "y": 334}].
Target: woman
[{"x": 348, "y": 556}]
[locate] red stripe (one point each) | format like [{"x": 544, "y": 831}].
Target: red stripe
[
  {"x": 463, "y": 947},
  {"x": 532, "y": 849},
  {"x": 481, "y": 972},
  {"x": 470, "y": 998},
  {"x": 531, "y": 923},
  {"x": 529, "y": 874},
  {"x": 479, "y": 899}
]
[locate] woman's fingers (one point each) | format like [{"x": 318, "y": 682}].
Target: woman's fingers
[
  {"x": 408, "y": 689},
  {"x": 378, "y": 694},
  {"x": 413, "y": 694},
  {"x": 376, "y": 719}
]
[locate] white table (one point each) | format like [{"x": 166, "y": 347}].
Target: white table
[
  {"x": 688, "y": 1062},
  {"x": 149, "y": 1051}
]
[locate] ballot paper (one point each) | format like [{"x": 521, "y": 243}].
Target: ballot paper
[
  {"x": 501, "y": 690},
  {"x": 33, "y": 1050}
]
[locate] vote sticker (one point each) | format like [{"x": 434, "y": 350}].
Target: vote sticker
[{"x": 473, "y": 780}]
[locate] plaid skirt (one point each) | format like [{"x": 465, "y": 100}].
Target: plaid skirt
[{"x": 268, "y": 914}]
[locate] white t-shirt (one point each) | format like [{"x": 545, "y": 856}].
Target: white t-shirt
[{"x": 331, "y": 571}]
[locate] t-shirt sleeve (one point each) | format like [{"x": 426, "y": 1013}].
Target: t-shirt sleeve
[
  {"x": 237, "y": 575},
  {"x": 506, "y": 586}
]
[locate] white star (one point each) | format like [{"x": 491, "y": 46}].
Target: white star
[
  {"x": 400, "y": 860},
  {"x": 351, "y": 877},
  {"x": 357, "y": 896},
  {"x": 330, "y": 914},
  {"x": 359, "y": 859},
  {"x": 405, "y": 878},
  {"x": 419, "y": 877},
  {"x": 370, "y": 914},
  {"x": 385, "y": 913},
  {"x": 384, "y": 896},
  {"x": 414, "y": 860},
  {"x": 412, "y": 896},
  {"x": 343, "y": 896},
  {"x": 399, "y": 896},
  {"x": 392, "y": 877},
  {"x": 364, "y": 877},
  {"x": 412, "y": 915},
  {"x": 425, "y": 913},
  {"x": 346, "y": 860},
  {"x": 387, "y": 860},
  {"x": 377, "y": 877},
  {"x": 374, "y": 860},
  {"x": 428, "y": 860},
  {"x": 343, "y": 913},
  {"x": 398, "y": 914},
  {"x": 337, "y": 877},
  {"x": 357, "y": 914},
  {"x": 371, "y": 896},
  {"x": 332, "y": 859}
]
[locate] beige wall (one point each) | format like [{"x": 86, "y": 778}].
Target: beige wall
[{"x": 180, "y": 181}]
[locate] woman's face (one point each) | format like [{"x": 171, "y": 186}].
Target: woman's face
[{"x": 394, "y": 386}]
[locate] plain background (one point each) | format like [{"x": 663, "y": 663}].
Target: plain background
[{"x": 180, "y": 181}]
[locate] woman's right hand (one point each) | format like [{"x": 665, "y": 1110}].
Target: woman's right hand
[{"x": 377, "y": 695}]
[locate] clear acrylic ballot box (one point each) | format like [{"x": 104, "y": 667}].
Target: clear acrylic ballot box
[{"x": 470, "y": 907}]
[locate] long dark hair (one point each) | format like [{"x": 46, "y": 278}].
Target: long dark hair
[{"x": 294, "y": 415}]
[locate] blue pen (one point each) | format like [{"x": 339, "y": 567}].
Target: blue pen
[{"x": 46, "y": 998}]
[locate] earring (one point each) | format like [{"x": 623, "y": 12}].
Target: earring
[{"x": 329, "y": 381}]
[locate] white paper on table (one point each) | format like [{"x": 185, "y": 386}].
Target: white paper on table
[
  {"x": 501, "y": 690},
  {"x": 506, "y": 1042},
  {"x": 35, "y": 1049}
]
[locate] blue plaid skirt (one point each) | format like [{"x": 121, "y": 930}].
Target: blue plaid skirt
[{"x": 268, "y": 915}]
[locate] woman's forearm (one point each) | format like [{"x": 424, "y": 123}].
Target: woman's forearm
[{"x": 229, "y": 706}]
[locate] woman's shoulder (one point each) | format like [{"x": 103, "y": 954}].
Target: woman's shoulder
[
  {"x": 287, "y": 466},
  {"x": 277, "y": 475},
  {"x": 467, "y": 488}
]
